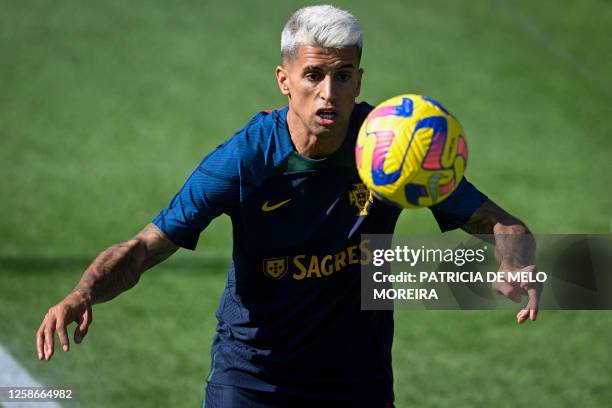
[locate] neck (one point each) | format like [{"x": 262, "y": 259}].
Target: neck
[{"x": 312, "y": 145}]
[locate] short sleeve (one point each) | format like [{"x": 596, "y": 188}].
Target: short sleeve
[
  {"x": 211, "y": 190},
  {"x": 457, "y": 209}
]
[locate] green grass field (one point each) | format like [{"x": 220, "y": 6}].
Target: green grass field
[{"x": 107, "y": 107}]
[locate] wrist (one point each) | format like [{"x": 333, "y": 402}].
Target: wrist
[{"x": 84, "y": 294}]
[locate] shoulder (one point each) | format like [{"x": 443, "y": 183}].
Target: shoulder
[
  {"x": 358, "y": 116},
  {"x": 361, "y": 111},
  {"x": 261, "y": 145}
]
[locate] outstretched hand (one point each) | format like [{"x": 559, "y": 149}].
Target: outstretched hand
[
  {"x": 514, "y": 290},
  {"x": 74, "y": 308}
]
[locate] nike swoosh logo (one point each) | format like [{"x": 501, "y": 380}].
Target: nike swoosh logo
[{"x": 267, "y": 207}]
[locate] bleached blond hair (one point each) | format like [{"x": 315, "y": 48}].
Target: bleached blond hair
[{"x": 320, "y": 26}]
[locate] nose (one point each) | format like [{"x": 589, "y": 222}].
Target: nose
[{"x": 327, "y": 88}]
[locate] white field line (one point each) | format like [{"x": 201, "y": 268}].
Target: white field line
[
  {"x": 544, "y": 40},
  {"x": 12, "y": 374}
]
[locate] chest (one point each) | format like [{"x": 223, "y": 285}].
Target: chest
[{"x": 314, "y": 210}]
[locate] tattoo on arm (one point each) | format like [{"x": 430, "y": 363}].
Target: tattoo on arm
[
  {"x": 119, "y": 267},
  {"x": 485, "y": 220},
  {"x": 514, "y": 244}
]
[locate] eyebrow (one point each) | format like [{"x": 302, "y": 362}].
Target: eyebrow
[{"x": 315, "y": 67}]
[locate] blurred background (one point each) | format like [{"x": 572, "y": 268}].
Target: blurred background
[{"x": 106, "y": 108}]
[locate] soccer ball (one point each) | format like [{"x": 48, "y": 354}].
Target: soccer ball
[{"x": 411, "y": 152}]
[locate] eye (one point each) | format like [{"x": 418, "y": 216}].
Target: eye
[
  {"x": 314, "y": 76},
  {"x": 343, "y": 76}
]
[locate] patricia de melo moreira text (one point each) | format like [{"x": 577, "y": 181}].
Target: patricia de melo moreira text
[
  {"x": 444, "y": 277},
  {"x": 459, "y": 257}
]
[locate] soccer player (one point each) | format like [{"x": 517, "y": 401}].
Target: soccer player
[{"x": 290, "y": 330}]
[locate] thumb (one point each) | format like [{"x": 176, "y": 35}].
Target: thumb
[{"x": 83, "y": 322}]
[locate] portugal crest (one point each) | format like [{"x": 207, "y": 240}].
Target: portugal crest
[
  {"x": 361, "y": 198},
  {"x": 275, "y": 268}
]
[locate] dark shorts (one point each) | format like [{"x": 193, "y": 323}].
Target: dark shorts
[{"x": 225, "y": 396}]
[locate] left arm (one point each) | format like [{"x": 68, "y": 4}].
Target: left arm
[{"x": 514, "y": 249}]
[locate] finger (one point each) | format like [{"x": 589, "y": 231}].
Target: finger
[
  {"x": 49, "y": 340},
  {"x": 521, "y": 316},
  {"x": 87, "y": 319},
  {"x": 81, "y": 330},
  {"x": 531, "y": 310},
  {"x": 83, "y": 325},
  {"x": 60, "y": 327},
  {"x": 40, "y": 341},
  {"x": 534, "y": 301},
  {"x": 78, "y": 334}
]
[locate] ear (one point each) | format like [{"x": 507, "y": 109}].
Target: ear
[
  {"x": 282, "y": 78},
  {"x": 359, "y": 76}
]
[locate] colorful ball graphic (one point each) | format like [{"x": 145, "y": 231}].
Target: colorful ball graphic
[{"x": 411, "y": 152}]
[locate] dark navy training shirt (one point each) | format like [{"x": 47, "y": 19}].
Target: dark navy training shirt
[{"x": 289, "y": 319}]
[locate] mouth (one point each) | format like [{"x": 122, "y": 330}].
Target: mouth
[{"x": 327, "y": 116}]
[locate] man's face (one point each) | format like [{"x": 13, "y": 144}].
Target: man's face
[{"x": 322, "y": 85}]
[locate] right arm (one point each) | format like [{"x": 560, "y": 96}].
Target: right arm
[
  {"x": 114, "y": 271},
  {"x": 212, "y": 189}
]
